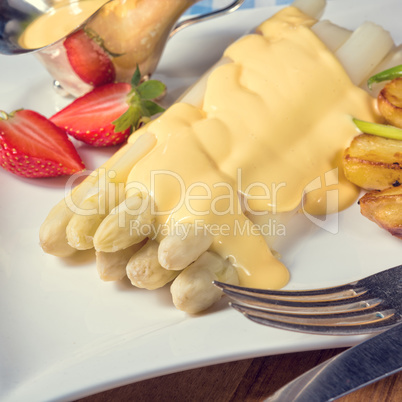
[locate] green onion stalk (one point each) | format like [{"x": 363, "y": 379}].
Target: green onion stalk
[
  {"x": 381, "y": 130},
  {"x": 386, "y": 75}
]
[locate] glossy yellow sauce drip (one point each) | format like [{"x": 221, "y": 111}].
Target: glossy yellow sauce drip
[
  {"x": 274, "y": 120},
  {"x": 58, "y": 22}
]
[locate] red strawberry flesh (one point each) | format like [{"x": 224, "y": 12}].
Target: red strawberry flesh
[
  {"x": 90, "y": 118},
  {"x": 88, "y": 59},
  {"x": 32, "y": 146}
]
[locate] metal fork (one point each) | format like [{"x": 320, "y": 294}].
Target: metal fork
[{"x": 365, "y": 306}]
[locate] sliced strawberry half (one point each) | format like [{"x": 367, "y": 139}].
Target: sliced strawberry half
[
  {"x": 32, "y": 146},
  {"x": 90, "y": 118},
  {"x": 89, "y": 59},
  {"x": 109, "y": 113}
]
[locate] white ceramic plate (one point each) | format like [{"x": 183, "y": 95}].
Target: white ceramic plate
[{"x": 65, "y": 333}]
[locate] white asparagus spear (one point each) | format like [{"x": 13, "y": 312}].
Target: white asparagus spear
[
  {"x": 52, "y": 233},
  {"x": 112, "y": 266},
  {"x": 334, "y": 36},
  {"x": 364, "y": 50},
  {"x": 193, "y": 291},
  {"x": 183, "y": 246},
  {"x": 82, "y": 227},
  {"x": 313, "y": 8},
  {"x": 107, "y": 192},
  {"x": 127, "y": 224},
  {"x": 144, "y": 270}
]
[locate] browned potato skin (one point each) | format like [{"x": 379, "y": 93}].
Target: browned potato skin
[
  {"x": 385, "y": 209},
  {"x": 389, "y": 102},
  {"x": 373, "y": 163}
]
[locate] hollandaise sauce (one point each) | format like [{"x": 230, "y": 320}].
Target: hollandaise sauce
[
  {"x": 274, "y": 120},
  {"x": 58, "y": 22}
]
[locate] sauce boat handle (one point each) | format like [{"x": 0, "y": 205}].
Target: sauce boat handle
[{"x": 203, "y": 17}]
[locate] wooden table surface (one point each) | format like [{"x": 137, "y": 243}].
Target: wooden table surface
[{"x": 245, "y": 380}]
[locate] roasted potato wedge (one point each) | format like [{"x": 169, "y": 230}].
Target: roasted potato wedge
[
  {"x": 390, "y": 102},
  {"x": 373, "y": 163},
  {"x": 384, "y": 208}
]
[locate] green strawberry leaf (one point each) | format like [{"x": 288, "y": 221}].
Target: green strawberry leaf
[
  {"x": 151, "y": 89},
  {"x": 128, "y": 119},
  {"x": 136, "y": 78},
  {"x": 152, "y": 107},
  {"x": 140, "y": 105}
]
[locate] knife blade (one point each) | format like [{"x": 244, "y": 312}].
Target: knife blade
[{"x": 363, "y": 364}]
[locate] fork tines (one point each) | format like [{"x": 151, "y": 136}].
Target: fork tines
[{"x": 365, "y": 306}]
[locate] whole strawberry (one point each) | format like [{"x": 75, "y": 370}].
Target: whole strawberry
[
  {"x": 109, "y": 113},
  {"x": 32, "y": 146},
  {"x": 88, "y": 58}
]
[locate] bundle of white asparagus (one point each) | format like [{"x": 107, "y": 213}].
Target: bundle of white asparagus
[{"x": 103, "y": 211}]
